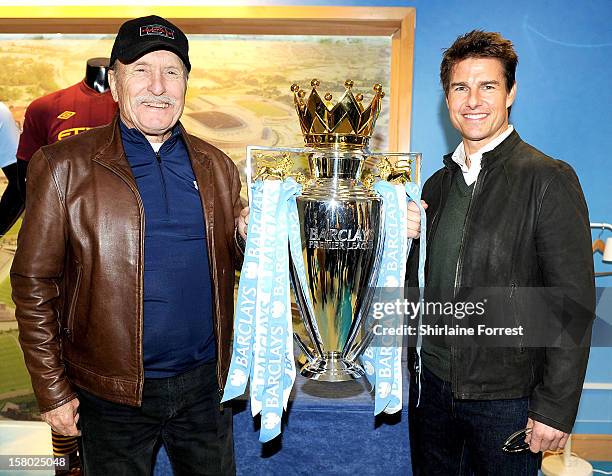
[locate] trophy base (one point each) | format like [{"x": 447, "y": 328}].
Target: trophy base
[{"x": 333, "y": 368}]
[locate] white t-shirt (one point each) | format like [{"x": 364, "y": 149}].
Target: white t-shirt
[
  {"x": 470, "y": 174},
  {"x": 156, "y": 146}
]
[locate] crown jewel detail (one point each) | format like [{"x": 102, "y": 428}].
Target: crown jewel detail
[{"x": 347, "y": 123}]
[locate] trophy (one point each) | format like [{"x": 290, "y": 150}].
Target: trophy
[{"x": 341, "y": 221}]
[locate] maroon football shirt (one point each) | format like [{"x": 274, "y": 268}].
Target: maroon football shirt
[{"x": 62, "y": 114}]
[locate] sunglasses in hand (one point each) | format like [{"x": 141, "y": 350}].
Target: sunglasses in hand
[{"x": 515, "y": 443}]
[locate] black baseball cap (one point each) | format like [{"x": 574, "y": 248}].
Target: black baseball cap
[{"x": 146, "y": 34}]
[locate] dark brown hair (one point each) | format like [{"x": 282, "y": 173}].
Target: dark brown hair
[{"x": 479, "y": 44}]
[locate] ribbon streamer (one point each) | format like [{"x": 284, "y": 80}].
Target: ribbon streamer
[
  {"x": 382, "y": 358},
  {"x": 263, "y": 338}
]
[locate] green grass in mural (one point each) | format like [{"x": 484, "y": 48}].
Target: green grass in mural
[
  {"x": 13, "y": 373},
  {"x": 5, "y": 285},
  {"x": 14, "y": 230},
  {"x": 5, "y": 292}
]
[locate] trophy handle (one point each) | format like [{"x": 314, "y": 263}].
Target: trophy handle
[
  {"x": 307, "y": 311},
  {"x": 363, "y": 345},
  {"x": 352, "y": 352},
  {"x": 305, "y": 350}
]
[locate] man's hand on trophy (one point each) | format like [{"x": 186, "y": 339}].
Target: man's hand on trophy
[
  {"x": 414, "y": 219},
  {"x": 243, "y": 221}
]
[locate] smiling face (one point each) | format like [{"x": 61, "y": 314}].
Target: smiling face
[
  {"x": 478, "y": 101},
  {"x": 150, "y": 93}
]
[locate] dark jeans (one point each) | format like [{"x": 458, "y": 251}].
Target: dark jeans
[
  {"x": 465, "y": 437},
  {"x": 182, "y": 412}
]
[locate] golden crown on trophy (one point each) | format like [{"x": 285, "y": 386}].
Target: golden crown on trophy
[{"x": 346, "y": 124}]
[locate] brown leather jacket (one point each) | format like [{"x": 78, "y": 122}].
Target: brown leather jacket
[{"x": 77, "y": 276}]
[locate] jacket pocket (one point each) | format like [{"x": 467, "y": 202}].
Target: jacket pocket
[
  {"x": 515, "y": 313},
  {"x": 69, "y": 329}
]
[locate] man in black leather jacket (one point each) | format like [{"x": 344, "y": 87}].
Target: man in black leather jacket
[{"x": 501, "y": 214}]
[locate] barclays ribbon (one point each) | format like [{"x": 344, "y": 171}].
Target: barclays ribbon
[
  {"x": 265, "y": 249},
  {"x": 393, "y": 403},
  {"x": 387, "y": 349},
  {"x": 279, "y": 340},
  {"x": 244, "y": 321},
  {"x": 263, "y": 345},
  {"x": 382, "y": 358}
]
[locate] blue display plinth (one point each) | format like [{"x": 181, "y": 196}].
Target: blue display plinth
[{"x": 329, "y": 429}]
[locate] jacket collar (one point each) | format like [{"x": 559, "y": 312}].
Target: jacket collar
[
  {"x": 196, "y": 153},
  {"x": 132, "y": 136},
  {"x": 111, "y": 153},
  {"x": 493, "y": 157}
]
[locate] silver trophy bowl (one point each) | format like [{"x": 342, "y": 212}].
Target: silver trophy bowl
[{"x": 340, "y": 224}]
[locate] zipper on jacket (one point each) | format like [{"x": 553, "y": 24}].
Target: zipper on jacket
[
  {"x": 163, "y": 182},
  {"x": 430, "y": 234},
  {"x": 73, "y": 302},
  {"x": 513, "y": 288},
  {"x": 459, "y": 268},
  {"x": 140, "y": 330},
  {"x": 218, "y": 317}
]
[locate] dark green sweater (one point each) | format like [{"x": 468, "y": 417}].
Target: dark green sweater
[{"x": 442, "y": 268}]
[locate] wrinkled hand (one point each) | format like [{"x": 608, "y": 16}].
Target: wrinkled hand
[
  {"x": 63, "y": 419},
  {"x": 544, "y": 437},
  {"x": 414, "y": 219},
  {"x": 243, "y": 221}
]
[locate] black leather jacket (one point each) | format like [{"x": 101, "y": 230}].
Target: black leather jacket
[{"x": 527, "y": 226}]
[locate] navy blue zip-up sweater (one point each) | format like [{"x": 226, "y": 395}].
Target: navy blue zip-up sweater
[{"x": 178, "y": 324}]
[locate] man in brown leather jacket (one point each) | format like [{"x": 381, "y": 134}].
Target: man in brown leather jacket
[{"x": 125, "y": 298}]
